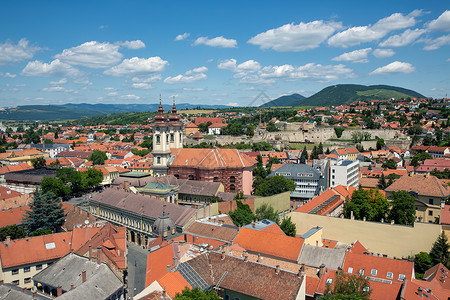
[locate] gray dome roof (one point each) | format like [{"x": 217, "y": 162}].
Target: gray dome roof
[{"x": 163, "y": 223}]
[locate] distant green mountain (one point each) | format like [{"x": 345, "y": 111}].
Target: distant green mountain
[
  {"x": 72, "y": 111},
  {"x": 288, "y": 100},
  {"x": 345, "y": 93}
]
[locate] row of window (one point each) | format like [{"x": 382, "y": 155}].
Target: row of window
[
  {"x": 172, "y": 138},
  {"x": 125, "y": 220},
  {"x": 26, "y": 269},
  {"x": 17, "y": 282},
  {"x": 374, "y": 272}
]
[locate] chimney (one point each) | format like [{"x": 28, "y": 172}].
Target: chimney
[
  {"x": 90, "y": 252},
  {"x": 83, "y": 276},
  {"x": 1, "y": 282},
  {"x": 24, "y": 290},
  {"x": 99, "y": 255},
  {"x": 59, "y": 291},
  {"x": 322, "y": 270},
  {"x": 277, "y": 269},
  {"x": 420, "y": 292},
  {"x": 35, "y": 294},
  {"x": 174, "y": 261},
  {"x": 168, "y": 268},
  {"x": 126, "y": 185},
  {"x": 245, "y": 256},
  {"x": 8, "y": 239},
  {"x": 259, "y": 258},
  {"x": 222, "y": 255},
  {"x": 72, "y": 287}
]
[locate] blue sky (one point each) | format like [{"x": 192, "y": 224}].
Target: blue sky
[{"x": 217, "y": 52}]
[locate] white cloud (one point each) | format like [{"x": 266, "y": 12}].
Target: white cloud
[
  {"x": 181, "y": 37},
  {"x": 188, "y": 77},
  {"x": 219, "y": 41},
  {"x": 193, "y": 89},
  {"x": 59, "y": 82},
  {"x": 232, "y": 104},
  {"x": 138, "y": 66},
  {"x": 357, "y": 56},
  {"x": 92, "y": 54},
  {"x": 54, "y": 69},
  {"x": 7, "y": 74},
  {"x": 130, "y": 97},
  {"x": 10, "y": 52},
  {"x": 244, "y": 69},
  {"x": 112, "y": 94},
  {"x": 291, "y": 37},
  {"x": 142, "y": 85},
  {"x": 109, "y": 89},
  {"x": 433, "y": 44},
  {"x": 54, "y": 89},
  {"x": 253, "y": 73},
  {"x": 442, "y": 23},
  {"x": 400, "y": 40},
  {"x": 361, "y": 34},
  {"x": 151, "y": 78},
  {"x": 133, "y": 45},
  {"x": 382, "y": 53},
  {"x": 394, "y": 67}
]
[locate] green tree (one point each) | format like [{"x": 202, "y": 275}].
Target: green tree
[
  {"x": 55, "y": 185},
  {"x": 250, "y": 131},
  {"x": 13, "y": 231},
  {"x": 196, "y": 294},
  {"x": 382, "y": 184},
  {"x": 41, "y": 231},
  {"x": 266, "y": 211},
  {"x": 422, "y": 262},
  {"x": 55, "y": 164},
  {"x": 370, "y": 204},
  {"x": 440, "y": 251},
  {"x": 348, "y": 286},
  {"x": 46, "y": 212},
  {"x": 389, "y": 164},
  {"x": 339, "y": 131},
  {"x": 314, "y": 153},
  {"x": 304, "y": 156},
  {"x": 289, "y": 228},
  {"x": 242, "y": 215},
  {"x": 320, "y": 148},
  {"x": 98, "y": 157},
  {"x": 271, "y": 127},
  {"x": 92, "y": 178},
  {"x": 402, "y": 210},
  {"x": 38, "y": 162},
  {"x": 274, "y": 185},
  {"x": 419, "y": 157},
  {"x": 380, "y": 144},
  {"x": 261, "y": 146},
  {"x": 204, "y": 127}
]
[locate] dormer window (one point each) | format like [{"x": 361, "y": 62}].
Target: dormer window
[
  {"x": 373, "y": 272},
  {"x": 350, "y": 270},
  {"x": 361, "y": 272},
  {"x": 401, "y": 276},
  {"x": 390, "y": 275},
  {"x": 329, "y": 280}
]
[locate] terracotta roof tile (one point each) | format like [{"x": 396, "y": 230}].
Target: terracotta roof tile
[
  {"x": 212, "y": 158},
  {"x": 423, "y": 185},
  {"x": 269, "y": 243},
  {"x": 173, "y": 283}
]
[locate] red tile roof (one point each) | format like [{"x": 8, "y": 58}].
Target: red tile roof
[
  {"x": 157, "y": 262},
  {"x": 269, "y": 243},
  {"x": 382, "y": 265},
  {"x": 173, "y": 283},
  {"x": 212, "y": 158}
]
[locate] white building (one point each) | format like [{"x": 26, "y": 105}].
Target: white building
[
  {"x": 344, "y": 173},
  {"x": 52, "y": 149}
]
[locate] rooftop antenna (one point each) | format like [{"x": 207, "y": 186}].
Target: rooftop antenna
[{"x": 164, "y": 206}]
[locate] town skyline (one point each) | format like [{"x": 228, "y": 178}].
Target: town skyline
[{"x": 58, "y": 53}]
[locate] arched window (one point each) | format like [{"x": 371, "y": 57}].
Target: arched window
[
  {"x": 191, "y": 177},
  {"x": 158, "y": 159},
  {"x": 216, "y": 179},
  {"x": 232, "y": 179},
  {"x": 158, "y": 139},
  {"x": 172, "y": 137},
  {"x": 232, "y": 188}
]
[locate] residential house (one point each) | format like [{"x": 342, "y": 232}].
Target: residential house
[
  {"x": 21, "y": 156},
  {"x": 429, "y": 191},
  {"x": 52, "y": 149}
]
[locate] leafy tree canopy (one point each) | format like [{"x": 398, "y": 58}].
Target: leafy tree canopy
[
  {"x": 98, "y": 157},
  {"x": 289, "y": 228},
  {"x": 196, "y": 294},
  {"x": 13, "y": 231},
  {"x": 402, "y": 211},
  {"x": 348, "y": 286},
  {"x": 242, "y": 215},
  {"x": 266, "y": 211},
  {"x": 274, "y": 185},
  {"x": 389, "y": 164},
  {"x": 46, "y": 212},
  {"x": 38, "y": 162},
  {"x": 440, "y": 251},
  {"x": 370, "y": 204}
]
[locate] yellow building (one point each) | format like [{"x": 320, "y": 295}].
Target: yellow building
[{"x": 23, "y": 156}]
